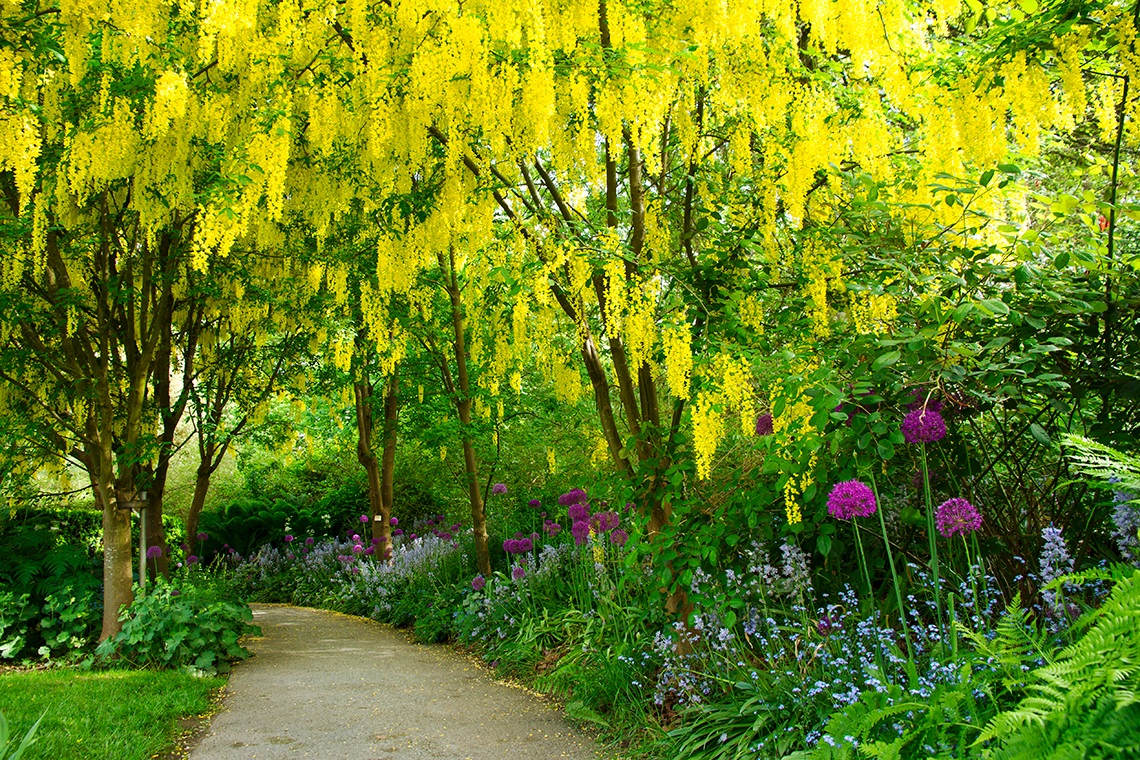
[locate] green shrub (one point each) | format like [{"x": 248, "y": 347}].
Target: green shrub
[
  {"x": 71, "y": 621},
  {"x": 16, "y": 620},
  {"x": 180, "y": 628}
]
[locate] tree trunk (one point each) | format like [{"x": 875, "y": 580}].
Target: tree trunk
[
  {"x": 463, "y": 406},
  {"x": 362, "y": 393},
  {"x": 388, "y": 460},
  {"x": 206, "y": 469}
]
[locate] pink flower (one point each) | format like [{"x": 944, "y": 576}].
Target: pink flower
[
  {"x": 851, "y": 499},
  {"x": 957, "y": 517}
]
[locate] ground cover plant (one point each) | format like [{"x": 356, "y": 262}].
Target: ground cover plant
[{"x": 127, "y": 714}]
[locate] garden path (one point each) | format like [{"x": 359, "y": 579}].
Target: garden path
[{"x": 325, "y": 685}]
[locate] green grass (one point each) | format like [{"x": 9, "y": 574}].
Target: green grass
[{"x": 115, "y": 714}]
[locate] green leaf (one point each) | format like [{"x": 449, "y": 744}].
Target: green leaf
[
  {"x": 1062, "y": 260},
  {"x": 823, "y": 545},
  {"x": 886, "y": 360},
  {"x": 994, "y": 306},
  {"x": 1039, "y": 434},
  {"x": 885, "y": 448}
]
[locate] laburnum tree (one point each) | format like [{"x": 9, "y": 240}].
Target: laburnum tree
[{"x": 655, "y": 184}]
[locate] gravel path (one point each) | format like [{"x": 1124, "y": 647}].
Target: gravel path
[{"x": 325, "y": 685}]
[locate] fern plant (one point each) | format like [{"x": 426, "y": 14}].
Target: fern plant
[{"x": 1087, "y": 702}]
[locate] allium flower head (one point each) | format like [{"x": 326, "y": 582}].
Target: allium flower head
[
  {"x": 764, "y": 425},
  {"x": 518, "y": 573},
  {"x": 923, "y": 426},
  {"x": 289, "y": 538},
  {"x": 578, "y": 511},
  {"x": 574, "y": 496},
  {"x": 364, "y": 518},
  {"x": 203, "y": 535},
  {"x": 581, "y": 531},
  {"x": 499, "y": 488},
  {"x": 957, "y": 517},
  {"x": 478, "y": 583},
  {"x": 192, "y": 560},
  {"x": 357, "y": 548},
  {"x": 534, "y": 503},
  {"x": 618, "y": 537},
  {"x": 552, "y": 528},
  {"x": 398, "y": 532},
  {"x": 309, "y": 541},
  {"x": 154, "y": 552},
  {"x": 393, "y": 521},
  {"x": 851, "y": 499}
]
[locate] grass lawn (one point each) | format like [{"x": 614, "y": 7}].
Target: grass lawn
[{"x": 115, "y": 714}]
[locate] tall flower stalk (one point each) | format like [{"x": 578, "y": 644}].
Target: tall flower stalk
[{"x": 894, "y": 574}]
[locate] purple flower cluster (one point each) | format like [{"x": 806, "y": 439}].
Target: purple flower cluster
[
  {"x": 551, "y": 528},
  {"x": 957, "y": 517},
  {"x": 478, "y": 583},
  {"x": 154, "y": 552},
  {"x": 574, "y": 496},
  {"x": 581, "y": 520},
  {"x": 518, "y": 545},
  {"x": 851, "y": 499},
  {"x": 534, "y": 503},
  {"x": 923, "y": 422},
  {"x": 499, "y": 488},
  {"x": 364, "y": 518},
  {"x": 764, "y": 425},
  {"x": 923, "y": 426}
]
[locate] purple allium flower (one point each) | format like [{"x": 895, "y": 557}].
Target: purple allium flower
[
  {"x": 355, "y": 538},
  {"x": 292, "y": 555},
  {"x": 203, "y": 535},
  {"x": 370, "y": 551},
  {"x": 957, "y": 517},
  {"x": 826, "y": 625},
  {"x": 499, "y": 488},
  {"x": 309, "y": 541},
  {"x": 607, "y": 521},
  {"x": 581, "y": 531},
  {"x": 357, "y": 549},
  {"x": 176, "y": 592},
  {"x": 534, "y": 536},
  {"x": 578, "y": 511},
  {"x": 764, "y": 425},
  {"x": 574, "y": 496},
  {"x": 376, "y": 541},
  {"x": 364, "y": 518},
  {"x": 192, "y": 560},
  {"x": 478, "y": 583},
  {"x": 430, "y": 522},
  {"x": 851, "y": 499},
  {"x": 518, "y": 573},
  {"x": 398, "y": 532},
  {"x": 288, "y": 538},
  {"x": 393, "y": 521},
  {"x": 618, "y": 537},
  {"x": 509, "y": 545},
  {"x": 185, "y": 547},
  {"x": 923, "y": 426},
  {"x": 534, "y": 503},
  {"x": 154, "y": 552},
  {"x": 524, "y": 545},
  {"x": 445, "y": 535},
  {"x": 552, "y": 529}
]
